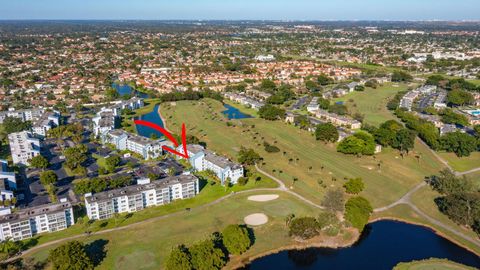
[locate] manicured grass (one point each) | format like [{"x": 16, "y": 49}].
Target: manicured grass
[
  {"x": 148, "y": 244},
  {"x": 100, "y": 160},
  {"x": 436, "y": 264},
  {"x": 383, "y": 185},
  {"x": 462, "y": 164},
  {"x": 372, "y": 102},
  {"x": 208, "y": 193}
]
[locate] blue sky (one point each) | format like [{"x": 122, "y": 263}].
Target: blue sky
[{"x": 242, "y": 9}]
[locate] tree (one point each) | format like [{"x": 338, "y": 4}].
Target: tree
[
  {"x": 354, "y": 185},
  {"x": 39, "y": 162},
  {"x": 462, "y": 208},
  {"x": 70, "y": 256},
  {"x": 450, "y": 117},
  {"x": 48, "y": 177},
  {"x": 326, "y": 132},
  {"x": 270, "y": 112},
  {"x": 179, "y": 259},
  {"x": 304, "y": 227},
  {"x": 323, "y": 79},
  {"x": 401, "y": 76},
  {"x": 242, "y": 181},
  {"x": 205, "y": 256},
  {"x": 75, "y": 156},
  {"x": 357, "y": 212},
  {"x": 236, "y": 239},
  {"x": 112, "y": 162},
  {"x": 334, "y": 200},
  {"x": 404, "y": 140},
  {"x": 447, "y": 183},
  {"x": 459, "y": 98},
  {"x": 248, "y": 156},
  {"x": 13, "y": 124},
  {"x": 359, "y": 143},
  {"x": 460, "y": 143},
  {"x": 339, "y": 109}
]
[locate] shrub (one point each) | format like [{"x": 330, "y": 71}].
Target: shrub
[
  {"x": 236, "y": 239},
  {"x": 304, "y": 227},
  {"x": 357, "y": 212},
  {"x": 354, "y": 186}
]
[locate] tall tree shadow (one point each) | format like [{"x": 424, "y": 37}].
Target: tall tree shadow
[{"x": 96, "y": 251}]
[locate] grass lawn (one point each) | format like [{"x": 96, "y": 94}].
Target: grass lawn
[
  {"x": 100, "y": 160},
  {"x": 372, "y": 102},
  {"x": 148, "y": 244},
  {"x": 304, "y": 157},
  {"x": 436, "y": 264},
  {"x": 462, "y": 164},
  {"x": 207, "y": 194}
]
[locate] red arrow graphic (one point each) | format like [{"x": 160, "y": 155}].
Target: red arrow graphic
[{"x": 169, "y": 136}]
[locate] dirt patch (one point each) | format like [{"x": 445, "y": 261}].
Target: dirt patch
[
  {"x": 256, "y": 219},
  {"x": 263, "y": 198}
]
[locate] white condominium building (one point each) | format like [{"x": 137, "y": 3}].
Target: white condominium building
[
  {"x": 134, "y": 198},
  {"x": 106, "y": 118},
  {"x": 44, "y": 123},
  {"x": 23, "y": 146},
  {"x": 146, "y": 147},
  {"x": 202, "y": 160},
  {"x": 28, "y": 222},
  {"x": 24, "y": 115}
]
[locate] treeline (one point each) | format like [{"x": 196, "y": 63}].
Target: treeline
[
  {"x": 96, "y": 185},
  {"x": 460, "y": 199},
  {"x": 190, "y": 95},
  {"x": 457, "y": 142},
  {"x": 212, "y": 253}
]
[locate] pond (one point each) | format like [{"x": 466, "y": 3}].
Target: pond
[
  {"x": 234, "y": 113},
  {"x": 153, "y": 117},
  {"x": 125, "y": 89},
  {"x": 382, "y": 246}
]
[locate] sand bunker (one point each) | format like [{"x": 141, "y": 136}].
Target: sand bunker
[
  {"x": 263, "y": 198},
  {"x": 256, "y": 219}
]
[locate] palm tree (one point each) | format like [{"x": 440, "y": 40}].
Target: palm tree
[{"x": 289, "y": 219}]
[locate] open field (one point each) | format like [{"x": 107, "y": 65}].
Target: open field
[
  {"x": 301, "y": 156},
  {"x": 462, "y": 164},
  {"x": 372, "y": 102},
  {"x": 249, "y": 111},
  {"x": 436, "y": 264},
  {"x": 151, "y": 242}
]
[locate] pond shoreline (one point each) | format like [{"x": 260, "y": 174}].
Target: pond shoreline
[{"x": 315, "y": 244}]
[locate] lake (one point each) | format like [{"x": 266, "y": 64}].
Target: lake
[
  {"x": 382, "y": 246},
  {"x": 151, "y": 117},
  {"x": 234, "y": 113},
  {"x": 125, "y": 89}
]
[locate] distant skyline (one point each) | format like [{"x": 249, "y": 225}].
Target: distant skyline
[{"x": 240, "y": 10}]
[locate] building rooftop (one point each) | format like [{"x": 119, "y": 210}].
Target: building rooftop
[
  {"x": 135, "y": 189},
  {"x": 24, "y": 214}
]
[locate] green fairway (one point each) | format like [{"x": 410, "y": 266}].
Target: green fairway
[
  {"x": 432, "y": 264},
  {"x": 461, "y": 164},
  {"x": 372, "y": 102},
  {"x": 301, "y": 156},
  {"x": 148, "y": 244}
]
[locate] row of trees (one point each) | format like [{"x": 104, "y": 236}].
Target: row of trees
[
  {"x": 212, "y": 253},
  {"x": 101, "y": 184},
  {"x": 394, "y": 134},
  {"x": 271, "y": 112},
  {"x": 460, "y": 199},
  {"x": 190, "y": 95},
  {"x": 461, "y": 144}
]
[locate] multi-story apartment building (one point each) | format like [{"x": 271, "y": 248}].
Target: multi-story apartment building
[
  {"x": 6, "y": 176},
  {"x": 146, "y": 147},
  {"x": 28, "y": 222},
  {"x": 134, "y": 198},
  {"x": 45, "y": 122},
  {"x": 24, "y": 115},
  {"x": 23, "y": 146},
  {"x": 107, "y": 118},
  {"x": 202, "y": 160}
]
